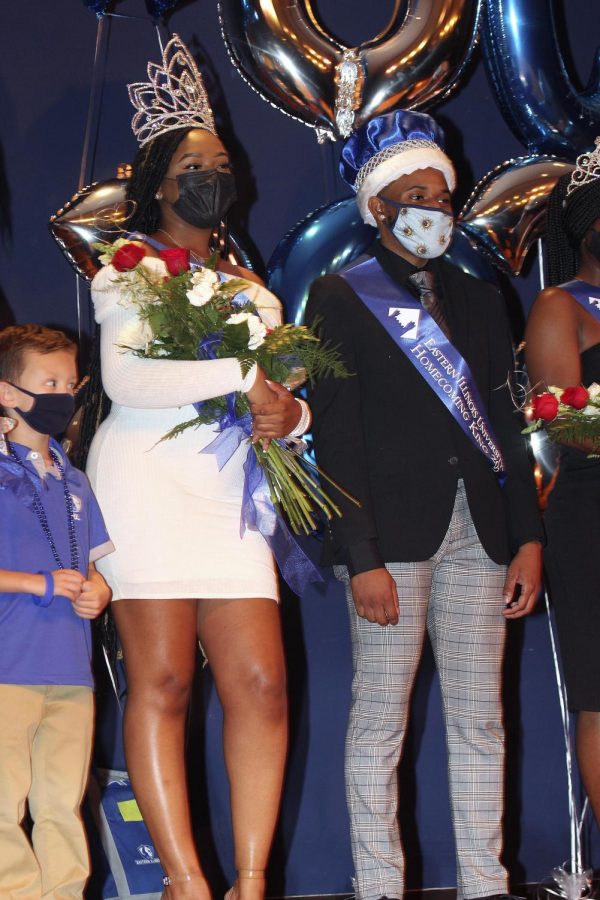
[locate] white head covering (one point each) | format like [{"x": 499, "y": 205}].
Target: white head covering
[{"x": 388, "y": 147}]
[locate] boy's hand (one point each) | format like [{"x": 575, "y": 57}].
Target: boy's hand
[
  {"x": 67, "y": 583},
  {"x": 94, "y": 597}
]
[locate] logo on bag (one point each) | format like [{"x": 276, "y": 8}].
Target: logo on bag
[{"x": 148, "y": 854}]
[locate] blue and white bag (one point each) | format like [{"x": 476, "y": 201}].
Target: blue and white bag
[{"x": 124, "y": 861}]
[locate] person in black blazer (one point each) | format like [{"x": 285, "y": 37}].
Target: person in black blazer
[{"x": 441, "y": 542}]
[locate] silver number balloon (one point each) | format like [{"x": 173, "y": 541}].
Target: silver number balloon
[
  {"x": 283, "y": 52},
  {"x": 532, "y": 85},
  {"x": 505, "y": 213}
]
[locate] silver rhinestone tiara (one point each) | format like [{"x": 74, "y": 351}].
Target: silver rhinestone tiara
[
  {"x": 387, "y": 153},
  {"x": 174, "y": 97},
  {"x": 587, "y": 168}
]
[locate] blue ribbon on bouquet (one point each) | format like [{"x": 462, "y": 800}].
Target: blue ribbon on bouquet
[
  {"x": 233, "y": 429},
  {"x": 258, "y": 512}
]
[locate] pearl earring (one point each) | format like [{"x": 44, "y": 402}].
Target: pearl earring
[{"x": 158, "y": 195}]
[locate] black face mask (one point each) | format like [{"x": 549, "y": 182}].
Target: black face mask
[
  {"x": 204, "y": 197},
  {"x": 593, "y": 244},
  {"x": 50, "y": 413}
]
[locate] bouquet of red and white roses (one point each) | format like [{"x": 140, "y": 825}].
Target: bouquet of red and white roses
[
  {"x": 569, "y": 415},
  {"x": 196, "y": 314}
]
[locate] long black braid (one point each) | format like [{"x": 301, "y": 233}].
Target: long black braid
[
  {"x": 569, "y": 218},
  {"x": 149, "y": 168}
]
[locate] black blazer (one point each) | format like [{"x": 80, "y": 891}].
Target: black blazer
[{"x": 387, "y": 438}]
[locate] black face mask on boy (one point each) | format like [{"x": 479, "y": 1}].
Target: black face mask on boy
[
  {"x": 204, "y": 197},
  {"x": 50, "y": 413}
]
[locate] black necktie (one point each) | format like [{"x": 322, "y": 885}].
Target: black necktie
[{"x": 424, "y": 282}]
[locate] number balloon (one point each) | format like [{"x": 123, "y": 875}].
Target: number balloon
[
  {"x": 530, "y": 78},
  {"x": 505, "y": 214},
  {"x": 283, "y": 52}
]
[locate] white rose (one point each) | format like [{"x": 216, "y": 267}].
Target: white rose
[
  {"x": 594, "y": 390},
  {"x": 136, "y": 335},
  {"x": 204, "y": 284},
  {"x": 591, "y": 411},
  {"x": 256, "y": 328}
]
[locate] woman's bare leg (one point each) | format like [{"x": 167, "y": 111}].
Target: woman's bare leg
[
  {"x": 159, "y": 646},
  {"x": 242, "y": 641}
]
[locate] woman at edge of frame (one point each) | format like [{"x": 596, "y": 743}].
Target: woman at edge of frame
[{"x": 563, "y": 350}]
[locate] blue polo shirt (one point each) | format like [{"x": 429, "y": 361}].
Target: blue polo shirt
[{"x": 45, "y": 645}]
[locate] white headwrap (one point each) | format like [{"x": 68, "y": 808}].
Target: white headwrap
[{"x": 393, "y": 162}]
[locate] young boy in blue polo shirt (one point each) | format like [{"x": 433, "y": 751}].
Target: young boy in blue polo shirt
[{"x": 51, "y": 532}]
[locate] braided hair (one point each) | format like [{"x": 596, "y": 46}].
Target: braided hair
[
  {"x": 569, "y": 218},
  {"x": 149, "y": 168}
]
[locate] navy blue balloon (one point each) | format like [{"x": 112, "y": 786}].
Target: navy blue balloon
[
  {"x": 98, "y": 7},
  {"x": 323, "y": 242},
  {"x": 156, "y": 8},
  {"x": 159, "y": 8},
  {"x": 330, "y": 238},
  {"x": 529, "y": 76}
]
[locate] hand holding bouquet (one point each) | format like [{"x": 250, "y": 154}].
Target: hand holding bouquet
[
  {"x": 569, "y": 415},
  {"x": 202, "y": 314}
]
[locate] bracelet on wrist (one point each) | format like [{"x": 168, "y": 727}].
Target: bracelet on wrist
[
  {"x": 48, "y": 595},
  {"x": 304, "y": 421}
]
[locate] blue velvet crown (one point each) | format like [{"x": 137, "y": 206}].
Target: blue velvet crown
[{"x": 386, "y": 132}]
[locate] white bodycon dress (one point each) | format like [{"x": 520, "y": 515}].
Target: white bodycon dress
[{"x": 173, "y": 517}]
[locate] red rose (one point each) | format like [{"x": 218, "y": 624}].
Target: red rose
[
  {"x": 577, "y": 397},
  {"x": 127, "y": 257},
  {"x": 545, "y": 406},
  {"x": 176, "y": 259}
]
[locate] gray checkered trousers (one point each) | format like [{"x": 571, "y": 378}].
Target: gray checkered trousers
[{"x": 457, "y": 596}]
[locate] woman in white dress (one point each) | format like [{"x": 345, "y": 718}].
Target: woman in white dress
[{"x": 181, "y": 572}]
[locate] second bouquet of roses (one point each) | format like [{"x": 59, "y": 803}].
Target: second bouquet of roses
[
  {"x": 202, "y": 314},
  {"x": 570, "y": 415}
]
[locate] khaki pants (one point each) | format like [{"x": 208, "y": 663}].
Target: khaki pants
[{"x": 45, "y": 746}]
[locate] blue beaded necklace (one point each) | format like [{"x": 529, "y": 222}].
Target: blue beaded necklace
[{"x": 38, "y": 508}]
